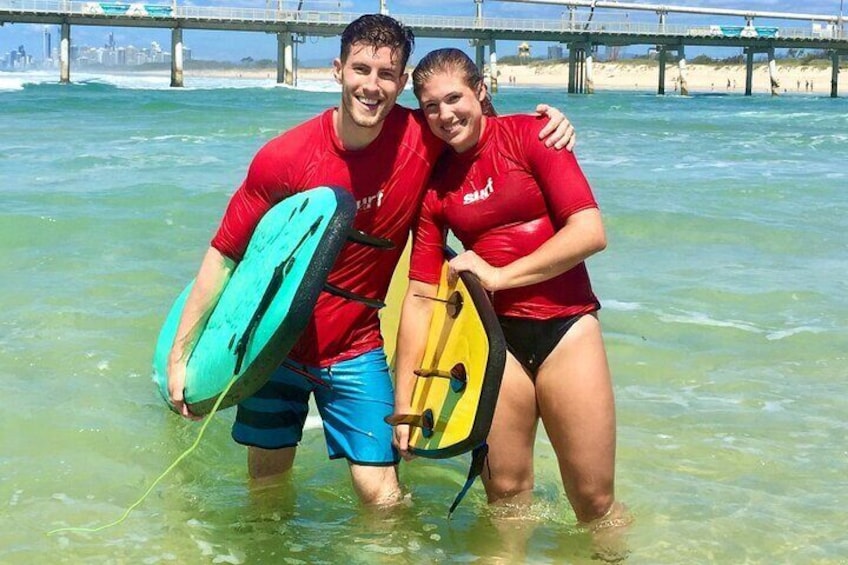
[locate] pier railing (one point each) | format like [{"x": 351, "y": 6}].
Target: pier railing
[{"x": 235, "y": 15}]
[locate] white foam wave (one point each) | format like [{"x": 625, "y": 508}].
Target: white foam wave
[
  {"x": 621, "y": 306},
  {"x": 17, "y": 79},
  {"x": 11, "y": 83},
  {"x": 789, "y": 332},
  {"x": 701, "y": 319},
  {"x": 160, "y": 81}
]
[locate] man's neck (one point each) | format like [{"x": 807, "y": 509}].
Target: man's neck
[{"x": 352, "y": 136}]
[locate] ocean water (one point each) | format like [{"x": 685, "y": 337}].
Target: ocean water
[{"x": 725, "y": 307}]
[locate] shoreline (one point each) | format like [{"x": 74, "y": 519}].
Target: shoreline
[{"x": 700, "y": 78}]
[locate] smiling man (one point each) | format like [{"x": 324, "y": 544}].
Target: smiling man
[{"x": 383, "y": 154}]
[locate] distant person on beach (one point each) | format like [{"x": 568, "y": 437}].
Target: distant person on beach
[
  {"x": 527, "y": 232},
  {"x": 383, "y": 154}
]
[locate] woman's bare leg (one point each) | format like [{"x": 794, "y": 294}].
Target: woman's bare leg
[
  {"x": 575, "y": 396},
  {"x": 509, "y": 476}
]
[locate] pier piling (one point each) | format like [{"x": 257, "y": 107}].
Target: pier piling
[
  {"x": 65, "y": 54},
  {"x": 834, "y": 77},
  {"x": 749, "y": 70},
  {"x": 177, "y": 57},
  {"x": 285, "y": 59}
]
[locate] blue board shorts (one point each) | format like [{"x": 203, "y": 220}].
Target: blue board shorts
[{"x": 352, "y": 396}]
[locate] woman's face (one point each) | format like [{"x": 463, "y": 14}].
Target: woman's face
[{"x": 453, "y": 109}]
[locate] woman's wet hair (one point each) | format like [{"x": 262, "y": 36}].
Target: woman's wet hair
[
  {"x": 378, "y": 30},
  {"x": 450, "y": 60}
]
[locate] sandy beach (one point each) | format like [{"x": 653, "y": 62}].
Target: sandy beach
[{"x": 700, "y": 78}]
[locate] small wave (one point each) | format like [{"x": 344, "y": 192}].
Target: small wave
[{"x": 789, "y": 332}]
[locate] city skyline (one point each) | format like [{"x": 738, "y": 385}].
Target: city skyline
[
  {"x": 111, "y": 54},
  {"x": 236, "y": 46}
]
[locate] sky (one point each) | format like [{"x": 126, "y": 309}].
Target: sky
[{"x": 233, "y": 46}]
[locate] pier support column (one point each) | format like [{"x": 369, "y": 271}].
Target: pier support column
[
  {"x": 590, "y": 81},
  {"x": 576, "y": 68},
  {"x": 572, "y": 68},
  {"x": 65, "y": 54},
  {"x": 772, "y": 66},
  {"x": 663, "y": 55},
  {"x": 749, "y": 71},
  {"x": 681, "y": 67},
  {"x": 493, "y": 67},
  {"x": 285, "y": 59},
  {"x": 479, "y": 54},
  {"x": 834, "y": 77},
  {"x": 177, "y": 57}
]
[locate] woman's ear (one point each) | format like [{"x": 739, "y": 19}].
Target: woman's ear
[{"x": 482, "y": 92}]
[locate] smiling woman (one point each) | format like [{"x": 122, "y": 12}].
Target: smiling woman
[
  {"x": 452, "y": 94},
  {"x": 528, "y": 220}
]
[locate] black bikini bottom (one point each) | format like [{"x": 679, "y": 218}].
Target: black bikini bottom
[{"x": 531, "y": 341}]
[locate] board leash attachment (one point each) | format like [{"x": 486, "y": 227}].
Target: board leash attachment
[{"x": 479, "y": 456}]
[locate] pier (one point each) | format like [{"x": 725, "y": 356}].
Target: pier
[{"x": 581, "y": 32}]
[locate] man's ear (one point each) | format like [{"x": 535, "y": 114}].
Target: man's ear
[
  {"x": 402, "y": 81},
  {"x": 337, "y": 70}
]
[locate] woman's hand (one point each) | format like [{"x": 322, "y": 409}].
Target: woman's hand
[{"x": 468, "y": 261}]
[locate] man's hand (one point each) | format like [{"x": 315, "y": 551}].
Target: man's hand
[
  {"x": 400, "y": 440},
  {"x": 176, "y": 388},
  {"x": 558, "y": 132}
]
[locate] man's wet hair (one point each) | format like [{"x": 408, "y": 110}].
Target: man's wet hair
[{"x": 378, "y": 30}]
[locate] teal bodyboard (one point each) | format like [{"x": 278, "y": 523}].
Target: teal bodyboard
[{"x": 265, "y": 305}]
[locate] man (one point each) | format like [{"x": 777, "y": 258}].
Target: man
[{"x": 383, "y": 154}]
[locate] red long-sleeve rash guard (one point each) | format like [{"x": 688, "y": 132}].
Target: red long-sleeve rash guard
[
  {"x": 503, "y": 199},
  {"x": 387, "y": 178}
]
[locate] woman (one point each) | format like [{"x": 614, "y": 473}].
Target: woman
[{"x": 528, "y": 220}]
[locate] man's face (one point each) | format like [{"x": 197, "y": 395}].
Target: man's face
[{"x": 371, "y": 80}]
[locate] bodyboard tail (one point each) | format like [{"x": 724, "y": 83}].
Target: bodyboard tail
[
  {"x": 455, "y": 396},
  {"x": 267, "y": 302}
]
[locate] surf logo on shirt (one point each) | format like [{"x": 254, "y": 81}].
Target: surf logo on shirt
[
  {"x": 480, "y": 194},
  {"x": 369, "y": 202}
]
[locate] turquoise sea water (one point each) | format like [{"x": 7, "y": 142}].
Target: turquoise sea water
[{"x": 725, "y": 308}]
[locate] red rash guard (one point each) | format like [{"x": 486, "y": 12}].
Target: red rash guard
[
  {"x": 387, "y": 178},
  {"x": 503, "y": 199}
]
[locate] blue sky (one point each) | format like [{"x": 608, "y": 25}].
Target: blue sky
[{"x": 235, "y": 46}]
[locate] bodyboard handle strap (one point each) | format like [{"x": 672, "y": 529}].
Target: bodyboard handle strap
[
  {"x": 479, "y": 455},
  {"x": 415, "y": 420}
]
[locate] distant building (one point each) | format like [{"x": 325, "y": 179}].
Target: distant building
[
  {"x": 48, "y": 49},
  {"x": 554, "y": 52}
]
